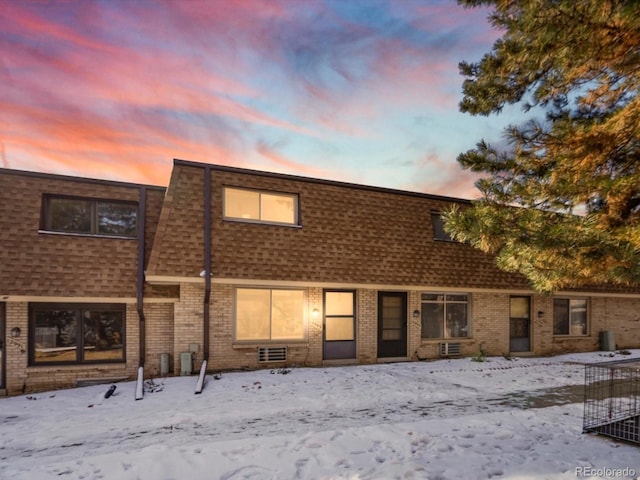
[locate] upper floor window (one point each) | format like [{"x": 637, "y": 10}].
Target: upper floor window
[
  {"x": 90, "y": 216},
  {"x": 439, "y": 233},
  {"x": 570, "y": 316},
  {"x": 259, "y": 206}
]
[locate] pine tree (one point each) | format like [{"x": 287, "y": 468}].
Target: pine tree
[{"x": 561, "y": 204}]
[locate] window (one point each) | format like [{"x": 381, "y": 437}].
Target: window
[
  {"x": 73, "y": 333},
  {"x": 570, "y": 316},
  {"x": 89, "y": 216},
  {"x": 262, "y": 207},
  {"x": 445, "y": 315},
  {"x": 264, "y": 314},
  {"x": 439, "y": 232},
  {"x": 339, "y": 310}
]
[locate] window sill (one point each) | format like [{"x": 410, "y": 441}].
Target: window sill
[
  {"x": 89, "y": 235},
  {"x": 259, "y": 222},
  {"x": 268, "y": 343},
  {"x": 440, "y": 340},
  {"x": 54, "y": 366},
  {"x": 571, "y": 337}
]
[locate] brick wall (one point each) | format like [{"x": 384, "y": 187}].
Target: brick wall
[
  {"x": 16, "y": 349},
  {"x": 622, "y": 316},
  {"x": 21, "y": 378},
  {"x": 159, "y": 326},
  {"x": 414, "y": 325},
  {"x": 225, "y": 354},
  {"x": 367, "y": 340},
  {"x": 188, "y": 327},
  {"x": 167, "y": 333},
  {"x": 616, "y": 314},
  {"x": 490, "y": 326},
  {"x": 314, "y": 330}
]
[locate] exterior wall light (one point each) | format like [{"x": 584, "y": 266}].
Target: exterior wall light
[
  {"x": 15, "y": 332},
  {"x": 540, "y": 314},
  {"x": 416, "y": 313},
  {"x": 315, "y": 312}
]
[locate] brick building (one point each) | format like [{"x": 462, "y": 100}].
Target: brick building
[{"x": 248, "y": 269}]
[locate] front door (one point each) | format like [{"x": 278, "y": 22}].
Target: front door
[
  {"x": 2, "y": 346},
  {"x": 519, "y": 324},
  {"x": 339, "y": 330},
  {"x": 392, "y": 324}
]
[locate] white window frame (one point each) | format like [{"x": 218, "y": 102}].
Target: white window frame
[
  {"x": 293, "y": 196},
  {"x": 270, "y": 339},
  {"x": 444, "y": 303}
]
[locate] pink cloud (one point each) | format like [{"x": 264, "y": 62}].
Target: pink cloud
[
  {"x": 23, "y": 20},
  {"x": 284, "y": 163},
  {"x": 439, "y": 177},
  {"x": 3, "y": 155},
  {"x": 93, "y": 88},
  {"x": 76, "y": 141},
  {"x": 145, "y": 77}
]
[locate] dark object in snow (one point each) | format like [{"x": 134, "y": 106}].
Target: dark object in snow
[
  {"x": 152, "y": 387},
  {"x": 281, "y": 371},
  {"x": 109, "y": 392}
]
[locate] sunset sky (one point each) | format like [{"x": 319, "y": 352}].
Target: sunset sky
[{"x": 362, "y": 91}]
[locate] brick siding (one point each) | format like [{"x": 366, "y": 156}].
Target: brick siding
[{"x": 352, "y": 237}]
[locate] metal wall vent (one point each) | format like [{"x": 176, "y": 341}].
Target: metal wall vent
[
  {"x": 272, "y": 354},
  {"x": 449, "y": 348}
]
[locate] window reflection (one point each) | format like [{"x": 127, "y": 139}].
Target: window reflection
[{"x": 68, "y": 333}]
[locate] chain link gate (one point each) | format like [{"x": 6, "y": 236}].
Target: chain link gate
[{"x": 612, "y": 399}]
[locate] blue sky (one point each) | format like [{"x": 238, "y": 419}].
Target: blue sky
[{"x": 362, "y": 91}]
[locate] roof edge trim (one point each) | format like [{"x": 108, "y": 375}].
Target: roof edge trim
[
  {"x": 300, "y": 178},
  {"x": 72, "y": 178}
]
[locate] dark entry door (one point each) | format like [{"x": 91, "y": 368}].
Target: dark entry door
[
  {"x": 520, "y": 324},
  {"x": 339, "y": 332},
  {"x": 392, "y": 324}
]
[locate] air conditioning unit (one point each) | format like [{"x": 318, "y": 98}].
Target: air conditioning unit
[
  {"x": 448, "y": 349},
  {"x": 272, "y": 354}
]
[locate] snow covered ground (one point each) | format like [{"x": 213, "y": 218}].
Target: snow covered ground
[{"x": 447, "y": 419}]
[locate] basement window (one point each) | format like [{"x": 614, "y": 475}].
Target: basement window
[{"x": 260, "y": 206}]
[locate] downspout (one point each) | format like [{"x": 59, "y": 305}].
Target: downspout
[
  {"x": 140, "y": 281},
  {"x": 207, "y": 261}
]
